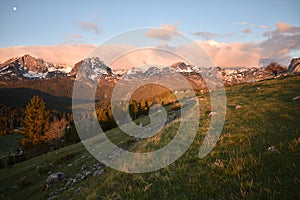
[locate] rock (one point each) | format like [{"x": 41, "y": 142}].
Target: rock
[
  {"x": 80, "y": 189},
  {"x": 70, "y": 165},
  {"x": 70, "y": 182},
  {"x": 87, "y": 173},
  {"x": 42, "y": 168},
  {"x": 272, "y": 149},
  {"x": 80, "y": 177},
  {"x": 294, "y": 66},
  {"x": 83, "y": 167},
  {"x": 97, "y": 166},
  {"x": 213, "y": 113},
  {"x": 245, "y": 75},
  {"x": 296, "y": 98},
  {"x": 54, "y": 178},
  {"x": 23, "y": 181},
  {"x": 98, "y": 172},
  {"x": 15, "y": 187},
  {"x": 53, "y": 193},
  {"x": 219, "y": 163},
  {"x": 237, "y": 107},
  {"x": 53, "y": 197}
]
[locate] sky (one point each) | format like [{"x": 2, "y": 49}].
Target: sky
[{"x": 233, "y": 33}]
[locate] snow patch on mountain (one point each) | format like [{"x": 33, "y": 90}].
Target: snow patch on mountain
[
  {"x": 64, "y": 69},
  {"x": 31, "y": 74},
  {"x": 93, "y": 68}
]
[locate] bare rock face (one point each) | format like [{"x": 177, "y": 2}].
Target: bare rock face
[
  {"x": 245, "y": 75},
  {"x": 28, "y": 67},
  {"x": 294, "y": 66},
  {"x": 28, "y": 62},
  {"x": 54, "y": 178}
]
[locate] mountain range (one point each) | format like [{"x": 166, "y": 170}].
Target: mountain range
[
  {"x": 58, "y": 79},
  {"x": 29, "y": 67}
]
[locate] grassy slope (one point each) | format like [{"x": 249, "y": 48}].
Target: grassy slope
[
  {"x": 238, "y": 167},
  {"x": 9, "y": 143}
]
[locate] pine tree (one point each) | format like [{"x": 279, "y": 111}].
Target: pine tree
[
  {"x": 133, "y": 109},
  {"x": 144, "y": 106},
  {"x": 36, "y": 120}
]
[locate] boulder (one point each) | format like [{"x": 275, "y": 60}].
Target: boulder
[
  {"x": 296, "y": 98},
  {"x": 83, "y": 167},
  {"x": 213, "y": 113},
  {"x": 294, "y": 66},
  {"x": 237, "y": 107},
  {"x": 23, "y": 181},
  {"x": 98, "y": 172},
  {"x": 80, "y": 189},
  {"x": 42, "y": 168},
  {"x": 54, "y": 178}
]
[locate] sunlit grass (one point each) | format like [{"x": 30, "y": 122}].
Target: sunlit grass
[{"x": 239, "y": 167}]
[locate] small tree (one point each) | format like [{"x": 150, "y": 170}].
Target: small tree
[
  {"x": 71, "y": 135},
  {"x": 275, "y": 68},
  {"x": 10, "y": 160},
  {"x": 56, "y": 130},
  {"x": 133, "y": 110},
  {"x": 2, "y": 165},
  {"x": 36, "y": 120}
]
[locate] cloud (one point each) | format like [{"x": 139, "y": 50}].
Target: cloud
[
  {"x": 206, "y": 35},
  {"x": 236, "y": 54},
  {"x": 165, "y": 32},
  {"x": 264, "y": 26},
  {"x": 247, "y": 31},
  {"x": 89, "y": 26},
  {"x": 278, "y": 46},
  {"x": 253, "y": 25},
  {"x": 280, "y": 43},
  {"x": 74, "y": 39},
  {"x": 241, "y": 23},
  {"x": 287, "y": 28},
  {"x": 64, "y": 54},
  {"x": 211, "y": 35},
  {"x": 222, "y": 54}
]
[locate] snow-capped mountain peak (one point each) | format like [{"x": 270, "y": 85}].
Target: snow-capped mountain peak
[
  {"x": 91, "y": 68},
  {"x": 29, "y": 67}
]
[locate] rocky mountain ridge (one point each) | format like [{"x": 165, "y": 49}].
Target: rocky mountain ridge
[{"x": 28, "y": 67}]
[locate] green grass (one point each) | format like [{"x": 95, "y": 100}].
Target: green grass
[
  {"x": 239, "y": 167},
  {"x": 9, "y": 143}
]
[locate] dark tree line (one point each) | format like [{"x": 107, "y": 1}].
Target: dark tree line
[{"x": 10, "y": 118}]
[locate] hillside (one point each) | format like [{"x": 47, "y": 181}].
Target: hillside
[
  {"x": 256, "y": 157},
  {"x": 54, "y": 82}
]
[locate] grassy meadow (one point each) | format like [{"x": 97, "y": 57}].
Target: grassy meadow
[{"x": 256, "y": 156}]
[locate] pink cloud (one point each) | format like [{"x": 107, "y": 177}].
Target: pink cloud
[
  {"x": 264, "y": 27},
  {"x": 278, "y": 46},
  {"x": 206, "y": 35},
  {"x": 284, "y": 27},
  {"x": 90, "y": 26},
  {"x": 165, "y": 32},
  {"x": 247, "y": 31},
  {"x": 74, "y": 39},
  {"x": 64, "y": 54},
  {"x": 234, "y": 54},
  {"x": 241, "y": 23}
]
